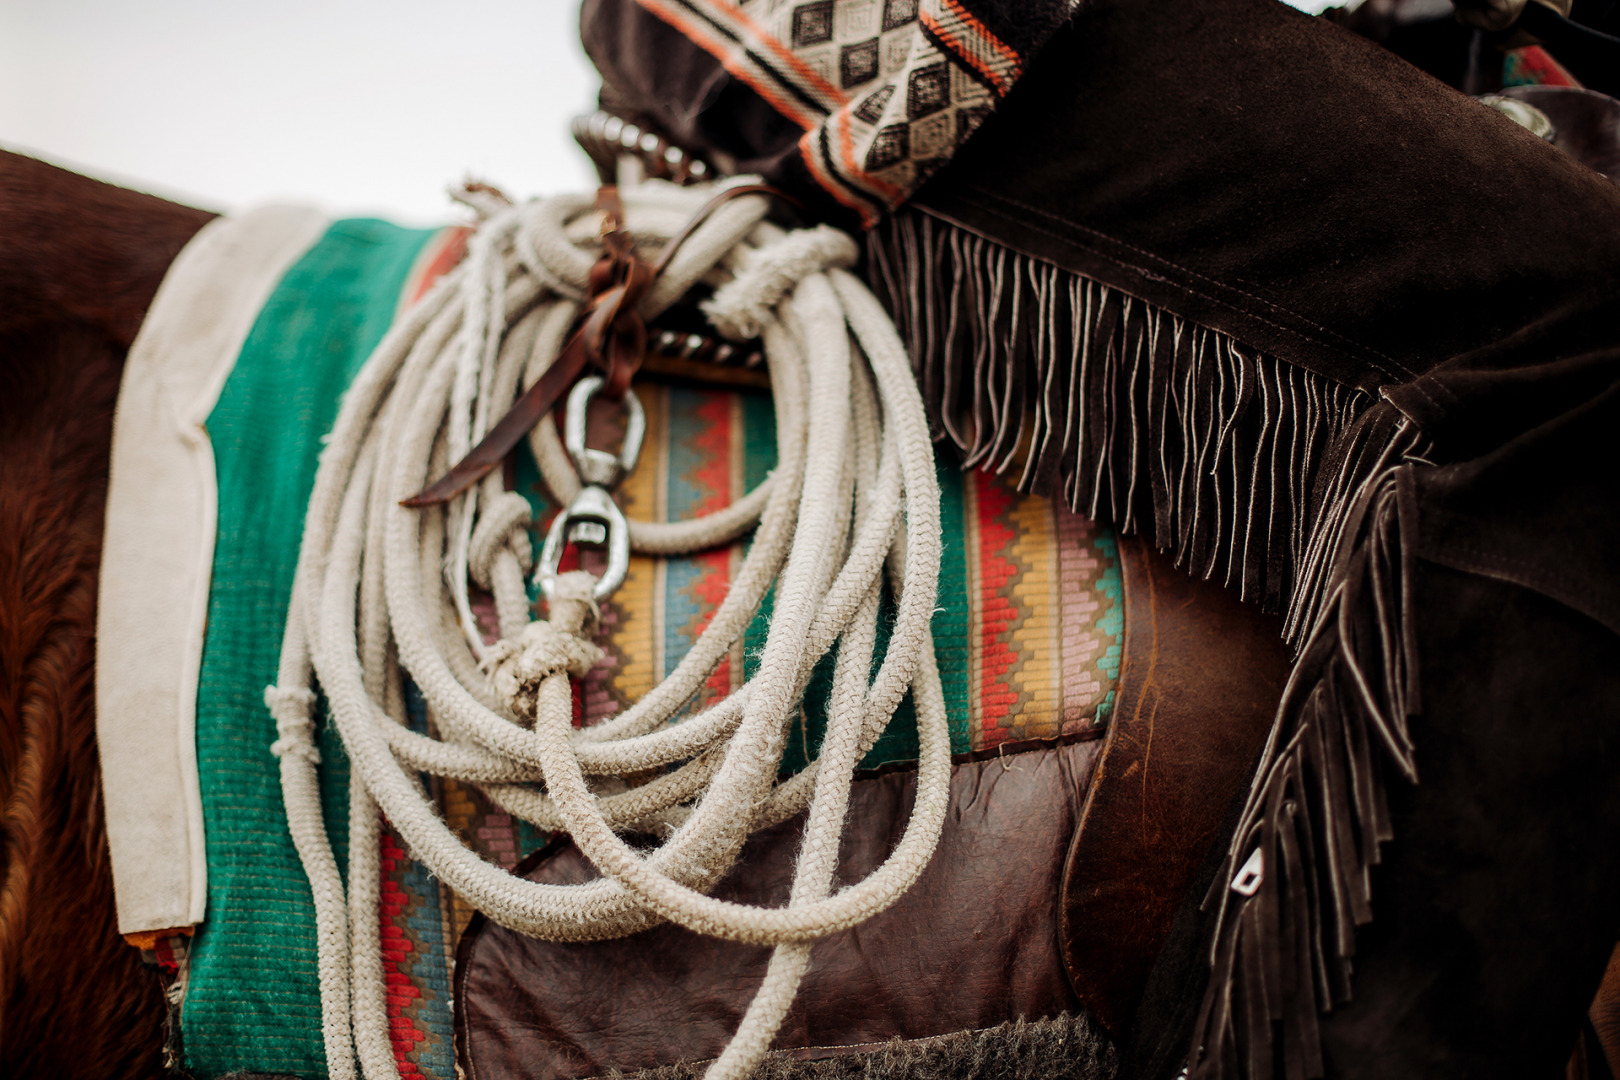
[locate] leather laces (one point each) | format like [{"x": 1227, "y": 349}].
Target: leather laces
[{"x": 611, "y": 336}]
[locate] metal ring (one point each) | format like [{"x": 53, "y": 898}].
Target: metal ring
[{"x": 593, "y": 505}]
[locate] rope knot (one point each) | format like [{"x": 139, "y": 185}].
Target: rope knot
[
  {"x": 572, "y": 604},
  {"x": 740, "y": 308},
  {"x": 518, "y": 667},
  {"x": 290, "y": 706}
]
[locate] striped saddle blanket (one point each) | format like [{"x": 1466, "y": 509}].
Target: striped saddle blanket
[{"x": 238, "y": 374}]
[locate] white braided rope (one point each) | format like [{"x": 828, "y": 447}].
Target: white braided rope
[{"x": 382, "y": 589}]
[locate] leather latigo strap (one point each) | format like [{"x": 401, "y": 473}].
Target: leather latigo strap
[
  {"x": 1021, "y": 912},
  {"x": 610, "y": 335},
  {"x": 1199, "y": 682}
]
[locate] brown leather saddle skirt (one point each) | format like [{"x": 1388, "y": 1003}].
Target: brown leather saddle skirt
[{"x": 1061, "y": 867}]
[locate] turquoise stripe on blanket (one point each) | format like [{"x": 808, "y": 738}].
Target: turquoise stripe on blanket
[{"x": 253, "y": 1002}]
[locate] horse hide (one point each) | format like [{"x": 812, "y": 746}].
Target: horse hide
[{"x": 79, "y": 261}]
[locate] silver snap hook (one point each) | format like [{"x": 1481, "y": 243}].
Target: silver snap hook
[
  {"x": 599, "y": 467},
  {"x": 592, "y": 519}
]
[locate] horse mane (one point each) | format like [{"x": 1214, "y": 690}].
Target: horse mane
[{"x": 79, "y": 262}]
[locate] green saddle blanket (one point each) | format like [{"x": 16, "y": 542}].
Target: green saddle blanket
[{"x": 1028, "y": 640}]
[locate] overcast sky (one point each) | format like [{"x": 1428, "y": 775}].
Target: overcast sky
[{"x": 356, "y": 105}]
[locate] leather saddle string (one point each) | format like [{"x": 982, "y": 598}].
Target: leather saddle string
[
  {"x": 853, "y": 494},
  {"x": 611, "y": 335}
]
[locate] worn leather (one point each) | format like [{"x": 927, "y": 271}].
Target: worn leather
[
  {"x": 1586, "y": 124},
  {"x": 972, "y": 944},
  {"x": 1021, "y": 912},
  {"x": 1237, "y": 162},
  {"x": 1494, "y": 908},
  {"x": 1198, "y": 686},
  {"x": 1269, "y": 174}
]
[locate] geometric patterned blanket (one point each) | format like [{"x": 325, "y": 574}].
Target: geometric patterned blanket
[{"x": 1028, "y": 640}]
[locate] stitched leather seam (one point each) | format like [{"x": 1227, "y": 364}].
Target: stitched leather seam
[
  {"x": 997, "y": 752},
  {"x": 1556, "y": 587},
  {"x": 1399, "y": 370},
  {"x": 1422, "y": 391}
]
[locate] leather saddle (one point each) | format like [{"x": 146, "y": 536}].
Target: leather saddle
[{"x": 1061, "y": 868}]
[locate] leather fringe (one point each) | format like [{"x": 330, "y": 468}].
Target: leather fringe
[
  {"x": 1283, "y": 484},
  {"x": 1135, "y": 415},
  {"x": 1317, "y": 813}
]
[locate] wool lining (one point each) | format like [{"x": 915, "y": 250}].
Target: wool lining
[{"x": 1069, "y": 1046}]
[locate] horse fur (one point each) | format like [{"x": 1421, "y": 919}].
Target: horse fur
[{"x": 79, "y": 262}]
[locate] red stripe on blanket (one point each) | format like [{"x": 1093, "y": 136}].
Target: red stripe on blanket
[
  {"x": 996, "y": 611},
  {"x": 401, "y": 991}
]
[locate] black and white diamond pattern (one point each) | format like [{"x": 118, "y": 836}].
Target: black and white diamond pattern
[{"x": 907, "y": 99}]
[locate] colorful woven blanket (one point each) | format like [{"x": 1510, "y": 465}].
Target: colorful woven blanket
[{"x": 1028, "y": 643}]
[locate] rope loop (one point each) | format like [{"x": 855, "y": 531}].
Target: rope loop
[
  {"x": 504, "y": 527},
  {"x": 740, "y": 308},
  {"x": 384, "y": 590}
]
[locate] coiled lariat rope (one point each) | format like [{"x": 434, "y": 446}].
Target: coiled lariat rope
[{"x": 382, "y": 589}]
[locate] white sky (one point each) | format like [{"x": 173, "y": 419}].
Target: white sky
[{"x": 355, "y": 105}]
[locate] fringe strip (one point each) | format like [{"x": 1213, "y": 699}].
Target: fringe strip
[
  {"x": 1285, "y": 485},
  {"x": 1317, "y": 812},
  {"x": 1135, "y": 415}
]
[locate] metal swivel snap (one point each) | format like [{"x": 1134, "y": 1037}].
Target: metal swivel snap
[
  {"x": 599, "y": 467},
  {"x": 593, "y": 519}
]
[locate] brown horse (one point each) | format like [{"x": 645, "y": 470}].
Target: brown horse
[
  {"x": 79, "y": 262},
  {"x": 82, "y": 261}
]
